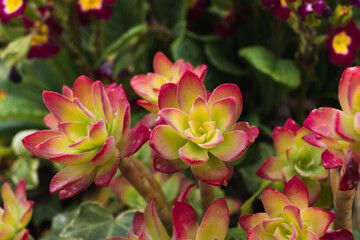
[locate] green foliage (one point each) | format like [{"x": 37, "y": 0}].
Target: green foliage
[
  {"x": 284, "y": 71},
  {"x": 93, "y": 222}
]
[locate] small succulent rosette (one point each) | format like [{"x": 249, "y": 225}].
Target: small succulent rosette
[
  {"x": 148, "y": 86},
  {"x": 16, "y": 214},
  {"x": 342, "y": 125},
  {"x": 336, "y": 154},
  {"x": 214, "y": 225},
  {"x": 89, "y": 134},
  {"x": 199, "y": 130},
  {"x": 44, "y": 32},
  {"x": 296, "y": 158},
  {"x": 288, "y": 216},
  {"x": 101, "y": 9},
  {"x": 343, "y": 43},
  {"x": 10, "y": 9}
]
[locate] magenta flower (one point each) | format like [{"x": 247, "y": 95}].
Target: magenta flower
[
  {"x": 43, "y": 34},
  {"x": 288, "y": 216},
  {"x": 148, "y": 86},
  {"x": 296, "y": 158},
  {"x": 16, "y": 214},
  {"x": 278, "y": 8},
  {"x": 343, "y": 44},
  {"x": 319, "y": 8},
  {"x": 199, "y": 129},
  {"x": 100, "y": 8},
  {"x": 10, "y": 9},
  {"x": 214, "y": 225},
  {"x": 89, "y": 134}
]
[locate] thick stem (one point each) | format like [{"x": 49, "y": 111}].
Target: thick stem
[
  {"x": 356, "y": 215},
  {"x": 207, "y": 195},
  {"x": 343, "y": 202},
  {"x": 148, "y": 175},
  {"x": 144, "y": 188}
]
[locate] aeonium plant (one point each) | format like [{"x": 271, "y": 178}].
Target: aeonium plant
[
  {"x": 89, "y": 134},
  {"x": 198, "y": 129}
]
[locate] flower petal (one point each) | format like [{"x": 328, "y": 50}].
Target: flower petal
[
  {"x": 74, "y": 159},
  {"x": 82, "y": 89},
  {"x": 319, "y": 218},
  {"x": 133, "y": 141},
  {"x": 76, "y": 187},
  {"x": 309, "y": 235},
  {"x": 344, "y": 127},
  {"x": 322, "y": 122},
  {"x": 105, "y": 153},
  {"x": 271, "y": 168},
  {"x": 292, "y": 214},
  {"x": 228, "y": 90},
  {"x": 215, "y": 223},
  {"x": 248, "y": 222},
  {"x": 32, "y": 140},
  {"x": 185, "y": 221},
  {"x": 121, "y": 121},
  {"x": 51, "y": 121},
  {"x": 297, "y": 193},
  {"x": 332, "y": 159},
  {"x": 98, "y": 133},
  {"x": 151, "y": 107},
  {"x": 83, "y": 144},
  {"x": 69, "y": 176},
  {"x": 341, "y": 234},
  {"x": 106, "y": 171},
  {"x": 56, "y": 146},
  {"x": 101, "y": 102},
  {"x": 223, "y": 112},
  {"x": 349, "y": 80},
  {"x": 214, "y": 171},
  {"x": 62, "y": 107},
  {"x": 192, "y": 154},
  {"x": 200, "y": 71},
  {"x": 283, "y": 139},
  {"x": 153, "y": 224},
  {"x": 168, "y": 165},
  {"x": 215, "y": 139},
  {"x": 251, "y": 131},
  {"x": 162, "y": 65},
  {"x": 200, "y": 111},
  {"x": 73, "y": 130},
  {"x": 189, "y": 88},
  {"x": 233, "y": 146},
  {"x": 167, "y": 96},
  {"x": 175, "y": 118},
  {"x": 274, "y": 202},
  {"x": 258, "y": 232},
  {"x": 143, "y": 88},
  {"x": 166, "y": 142}
]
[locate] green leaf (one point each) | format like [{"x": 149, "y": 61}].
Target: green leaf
[
  {"x": 25, "y": 168},
  {"x": 236, "y": 233},
  {"x": 59, "y": 222},
  {"x": 203, "y": 38},
  {"x": 280, "y": 70},
  {"x": 126, "y": 41},
  {"x": 171, "y": 188},
  {"x": 221, "y": 56},
  {"x": 16, "y": 50},
  {"x": 189, "y": 50},
  {"x": 126, "y": 14},
  {"x": 93, "y": 222}
]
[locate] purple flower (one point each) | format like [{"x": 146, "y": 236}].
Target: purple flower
[
  {"x": 99, "y": 8},
  {"x": 355, "y": 3},
  {"x": 10, "y": 9}
]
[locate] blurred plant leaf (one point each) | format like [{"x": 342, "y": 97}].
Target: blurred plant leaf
[
  {"x": 189, "y": 50},
  {"x": 25, "y": 168},
  {"x": 203, "y": 38},
  {"x": 280, "y": 70},
  {"x": 16, "y": 50},
  {"x": 129, "y": 39},
  {"x": 236, "y": 233},
  {"x": 221, "y": 56},
  {"x": 171, "y": 188},
  {"x": 59, "y": 222},
  {"x": 93, "y": 222},
  {"x": 126, "y": 14}
]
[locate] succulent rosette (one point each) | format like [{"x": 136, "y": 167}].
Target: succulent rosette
[
  {"x": 296, "y": 158},
  {"x": 10, "y": 9},
  {"x": 288, "y": 216},
  {"x": 343, "y": 43},
  {"x": 44, "y": 32},
  {"x": 16, "y": 214},
  {"x": 148, "y": 86},
  {"x": 100, "y": 8},
  {"x": 336, "y": 154},
  {"x": 337, "y": 125},
  {"x": 89, "y": 134},
  {"x": 214, "y": 225},
  {"x": 199, "y": 129}
]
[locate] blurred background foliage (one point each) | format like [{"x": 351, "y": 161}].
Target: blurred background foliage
[{"x": 240, "y": 41}]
